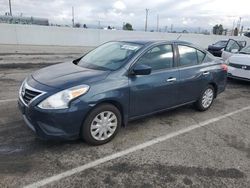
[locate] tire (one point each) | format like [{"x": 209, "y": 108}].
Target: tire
[
  {"x": 202, "y": 104},
  {"x": 105, "y": 118}
]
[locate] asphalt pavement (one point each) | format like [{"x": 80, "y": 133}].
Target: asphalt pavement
[{"x": 199, "y": 149}]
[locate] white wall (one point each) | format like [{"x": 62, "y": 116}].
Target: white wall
[{"x": 63, "y": 36}]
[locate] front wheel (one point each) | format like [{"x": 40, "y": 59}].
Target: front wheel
[
  {"x": 206, "y": 99},
  {"x": 101, "y": 125}
]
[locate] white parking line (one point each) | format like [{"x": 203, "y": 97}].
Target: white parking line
[
  {"x": 7, "y": 100},
  {"x": 130, "y": 150}
]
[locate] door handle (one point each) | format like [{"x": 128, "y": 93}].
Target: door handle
[
  {"x": 171, "y": 79},
  {"x": 206, "y": 73}
]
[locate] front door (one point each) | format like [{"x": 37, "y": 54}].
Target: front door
[
  {"x": 231, "y": 48},
  {"x": 159, "y": 90}
]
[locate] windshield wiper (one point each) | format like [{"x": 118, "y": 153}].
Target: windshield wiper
[{"x": 92, "y": 66}]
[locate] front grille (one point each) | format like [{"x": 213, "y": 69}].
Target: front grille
[
  {"x": 238, "y": 66},
  {"x": 29, "y": 95}
]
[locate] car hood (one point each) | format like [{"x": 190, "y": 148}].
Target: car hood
[
  {"x": 65, "y": 75},
  {"x": 242, "y": 59}
]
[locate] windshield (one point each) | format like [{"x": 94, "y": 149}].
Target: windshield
[
  {"x": 221, "y": 43},
  {"x": 245, "y": 50},
  {"x": 109, "y": 56}
]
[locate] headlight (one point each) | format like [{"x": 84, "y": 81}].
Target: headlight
[{"x": 62, "y": 99}]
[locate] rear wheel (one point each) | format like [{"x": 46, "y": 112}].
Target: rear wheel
[
  {"x": 101, "y": 125},
  {"x": 206, "y": 99}
]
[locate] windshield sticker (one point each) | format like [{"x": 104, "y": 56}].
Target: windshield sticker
[{"x": 129, "y": 47}]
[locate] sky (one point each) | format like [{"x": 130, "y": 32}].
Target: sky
[{"x": 203, "y": 14}]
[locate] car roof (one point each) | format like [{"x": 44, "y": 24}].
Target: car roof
[
  {"x": 152, "y": 42},
  {"x": 147, "y": 42}
]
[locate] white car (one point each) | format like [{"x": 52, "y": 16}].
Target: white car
[{"x": 239, "y": 65}]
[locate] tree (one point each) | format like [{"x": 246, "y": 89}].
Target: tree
[
  {"x": 78, "y": 25},
  {"x": 215, "y": 29},
  {"x": 218, "y": 29},
  {"x": 85, "y": 26},
  {"x": 128, "y": 27}
]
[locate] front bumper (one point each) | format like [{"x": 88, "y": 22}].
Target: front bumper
[
  {"x": 55, "y": 124},
  {"x": 229, "y": 75},
  {"x": 238, "y": 73}
]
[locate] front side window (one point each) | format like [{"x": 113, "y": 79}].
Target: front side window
[
  {"x": 232, "y": 45},
  {"x": 159, "y": 57},
  {"x": 109, "y": 56},
  {"x": 190, "y": 56}
]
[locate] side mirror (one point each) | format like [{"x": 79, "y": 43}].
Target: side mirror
[
  {"x": 234, "y": 50},
  {"x": 141, "y": 69}
]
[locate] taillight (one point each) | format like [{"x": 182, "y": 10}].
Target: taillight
[{"x": 224, "y": 67}]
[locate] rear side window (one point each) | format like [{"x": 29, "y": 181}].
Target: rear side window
[
  {"x": 190, "y": 56},
  {"x": 159, "y": 57}
]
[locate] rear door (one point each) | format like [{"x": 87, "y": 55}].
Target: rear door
[{"x": 193, "y": 73}]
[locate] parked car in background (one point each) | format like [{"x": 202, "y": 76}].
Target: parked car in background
[
  {"x": 93, "y": 96},
  {"x": 232, "y": 47},
  {"x": 239, "y": 65},
  {"x": 247, "y": 34},
  {"x": 217, "y": 48}
]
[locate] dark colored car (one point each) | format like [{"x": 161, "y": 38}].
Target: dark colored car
[
  {"x": 216, "y": 48},
  {"x": 247, "y": 34},
  {"x": 93, "y": 96}
]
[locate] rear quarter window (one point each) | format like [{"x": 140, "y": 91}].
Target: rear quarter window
[{"x": 200, "y": 55}]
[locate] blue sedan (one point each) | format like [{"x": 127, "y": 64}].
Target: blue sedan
[{"x": 93, "y": 96}]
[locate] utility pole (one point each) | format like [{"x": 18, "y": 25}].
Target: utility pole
[
  {"x": 157, "y": 27},
  {"x": 239, "y": 23},
  {"x": 73, "y": 17},
  {"x": 166, "y": 28},
  {"x": 232, "y": 33},
  {"x": 146, "y": 22},
  {"x": 241, "y": 30},
  {"x": 99, "y": 24},
  {"x": 10, "y": 7}
]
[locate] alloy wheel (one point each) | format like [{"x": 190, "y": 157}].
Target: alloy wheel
[{"x": 207, "y": 98}]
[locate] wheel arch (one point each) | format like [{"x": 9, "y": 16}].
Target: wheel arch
[
  {"x": 115, "y": 103},
  {"x": 215, "y": 86}
]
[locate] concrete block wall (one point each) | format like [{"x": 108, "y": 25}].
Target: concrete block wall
[{"x": 65, "y": 36}]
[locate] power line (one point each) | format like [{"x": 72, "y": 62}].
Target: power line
[{"x": 146, "y": 22}]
